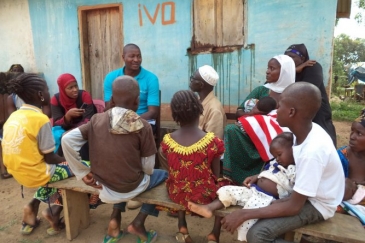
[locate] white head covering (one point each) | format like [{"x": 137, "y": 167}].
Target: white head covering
[
  {"x": 287, "y": 74},
  {"x": 209, "y": 74}
]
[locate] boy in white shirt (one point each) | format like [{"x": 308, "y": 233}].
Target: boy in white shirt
[{"x": 319, "y": 184}]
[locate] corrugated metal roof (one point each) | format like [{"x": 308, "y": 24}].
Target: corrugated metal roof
[{"x": 343, "y": 9}]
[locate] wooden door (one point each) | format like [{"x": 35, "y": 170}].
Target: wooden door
[{"x": 101, "y": 44}]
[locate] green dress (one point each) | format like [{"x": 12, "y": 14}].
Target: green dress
[{"x": 241, "y": 158}]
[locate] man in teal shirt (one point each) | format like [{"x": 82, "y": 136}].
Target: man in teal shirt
[{"x": 148, "y": 82}]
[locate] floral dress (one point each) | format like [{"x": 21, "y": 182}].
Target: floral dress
[{"x": 190, "y": 170}]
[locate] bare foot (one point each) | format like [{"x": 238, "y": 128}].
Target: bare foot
[
  {"x": 30, "y": 214},
  {"x": 113, "y": 228},
  {"x": 54, "y": 220},
  {"x": 139, "y": 231},
  {"x": 202, "y": 210},
  {"x": 212, "y": 237}
]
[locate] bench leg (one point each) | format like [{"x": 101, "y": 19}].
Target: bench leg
[
  {"x": 293, "y": 236},
  {"x": 76, "y": 212}
]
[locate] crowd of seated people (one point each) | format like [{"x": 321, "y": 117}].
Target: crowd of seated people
[{"x": 114, "y": 151}]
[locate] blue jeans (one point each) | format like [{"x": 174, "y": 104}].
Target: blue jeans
[
  {"x": 269, "y": 230},
  {"x": 157, "y": 177}
]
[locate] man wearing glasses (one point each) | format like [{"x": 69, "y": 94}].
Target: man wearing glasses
[{"x": 213, "y": 118}]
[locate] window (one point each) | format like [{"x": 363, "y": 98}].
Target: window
[{"x": 217, "y": 25}]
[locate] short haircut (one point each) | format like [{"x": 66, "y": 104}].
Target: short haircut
[
  {"x": 129, "y": 46},
  {"x": 185, "y": 106},
  {"x": 284, "y": 139},
  {"x": 266, "y": 104},
  {"x": 26, "y": 86}
]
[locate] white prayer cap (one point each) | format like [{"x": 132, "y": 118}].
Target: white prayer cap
[{"x": 209, "y": 74}]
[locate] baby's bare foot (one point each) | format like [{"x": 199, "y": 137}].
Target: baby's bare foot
[{"x": 202, "y": 210}]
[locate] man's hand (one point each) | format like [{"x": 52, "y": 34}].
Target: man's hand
[
  {"x": 232, "y": 221},
  {"x": 90, "y": 181}
]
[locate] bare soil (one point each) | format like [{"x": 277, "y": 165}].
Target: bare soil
[{"x": 12, "y": 204}]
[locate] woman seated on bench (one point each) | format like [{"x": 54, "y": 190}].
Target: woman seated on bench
[{"x": 241, "y": 158}]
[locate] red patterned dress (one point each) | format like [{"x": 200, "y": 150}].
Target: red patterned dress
[{"x": 190, "y": 170}]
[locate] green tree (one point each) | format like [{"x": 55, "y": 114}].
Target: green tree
[{"x": 346, "y": 51}]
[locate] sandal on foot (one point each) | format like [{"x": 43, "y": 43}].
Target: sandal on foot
[
  {"x": 27, "y": 229},
  {"x": 110, "y": 239},
  {"x": 151, "y": 237},
  {"x": 181, "y": 237},
  {"x": 61, "y": 225}
]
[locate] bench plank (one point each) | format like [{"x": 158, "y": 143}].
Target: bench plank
[{"x": 341, "y": 228}]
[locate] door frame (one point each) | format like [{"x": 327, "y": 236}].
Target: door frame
[{"x": 83, "y": 33}]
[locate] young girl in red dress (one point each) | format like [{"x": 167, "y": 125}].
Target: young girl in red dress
[{"x": 193, "y": 157}]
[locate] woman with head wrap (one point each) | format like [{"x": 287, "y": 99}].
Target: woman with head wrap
[
  {"x": 66, "y": 105},
  {"x": 241, "y": 157},
  {"x": 311, "y": 71}
]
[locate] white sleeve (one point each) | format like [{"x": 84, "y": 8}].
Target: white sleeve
[
  {"x": 71, "y": 144},
  {"x": 148, "y": 163}
]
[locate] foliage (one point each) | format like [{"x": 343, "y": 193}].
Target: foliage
[
  {"x": 359, "y": 17},
  {"x": 346, "y": 110},
  {"x": 346, "y": 51}
]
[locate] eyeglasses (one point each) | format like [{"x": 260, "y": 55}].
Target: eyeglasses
[{"x": 192, "y": 78}]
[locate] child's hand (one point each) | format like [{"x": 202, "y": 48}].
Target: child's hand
[
  {"x": 249, "y": 181},
  {"x": 90, "y": 181}
]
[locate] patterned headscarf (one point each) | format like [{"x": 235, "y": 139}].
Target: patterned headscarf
[
  {"x": 361, "y": 118},
  {"x": 300, "y": 50},
  {"x": 63, "y": 80}
]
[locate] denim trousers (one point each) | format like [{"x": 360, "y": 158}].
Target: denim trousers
[
  {"x": 269, "y": 230},
  {"x": 158, "y": 176}
]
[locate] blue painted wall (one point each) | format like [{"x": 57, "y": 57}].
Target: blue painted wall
[{"x": 271, "y": 26}]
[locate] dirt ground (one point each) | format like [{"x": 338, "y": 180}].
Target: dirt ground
[{"x": 12, "y": 204}]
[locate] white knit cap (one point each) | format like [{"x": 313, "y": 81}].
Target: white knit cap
[{"x": 209, "y": 74}]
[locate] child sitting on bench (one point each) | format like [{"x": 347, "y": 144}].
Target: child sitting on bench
[
  {"x": 122, "y": 157},
  {"x": 27, "y": 148},
  {"x": 193, "y": 157},
  {"x": 276, "y": 181},
  {"x": 319, "y": 179}
]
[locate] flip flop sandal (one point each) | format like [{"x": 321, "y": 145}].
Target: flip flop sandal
[
  {"x": 110, "y": 239},
  {"x": 181, "y": 237},
  {"x": 151, "y": 237},
  {"x": 61, "y": 224},
  {"x": 27, "y": 229}
]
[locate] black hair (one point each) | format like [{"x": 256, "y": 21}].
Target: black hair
[
  {"x": 266, "y": 104},
  {"x": 26, "y": 86},
  {"x": 16, "y": 65},
  {"x": 185, "y": 107},
  {"x": 130, "y": 45},
  {"x": 284, "y": 139}
]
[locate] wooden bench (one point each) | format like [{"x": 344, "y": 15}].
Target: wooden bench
[{"x": 341, "y": 228}]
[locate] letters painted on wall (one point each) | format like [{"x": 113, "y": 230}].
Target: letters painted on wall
[{"x": 143, "y": 12}]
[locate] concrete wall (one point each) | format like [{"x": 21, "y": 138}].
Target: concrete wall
[
  {"x": 16, "y": 39},
  {"x": 271, "y": 27}
]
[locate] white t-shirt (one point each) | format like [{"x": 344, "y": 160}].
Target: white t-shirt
[{"x": 319, "y": 172}]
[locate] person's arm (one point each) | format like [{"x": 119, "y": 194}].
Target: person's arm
[
  {"x": 10, "y": 104},
  {"x": 151, "y": 113},
  {"x": 153, "y": 99},
  {"x": 313, "y": 74},
  {"x": 215, "y": 123},
  {"x": 216, "y": 166},
  {"x": 71, "y": 145},
  {"x": 285, "y": 208},
  {"x": 108, "y": 83},
  {"x": 308, "y": 63},
  {"x": 46, "y": 145},
  {"x": 148, "y": 163}
]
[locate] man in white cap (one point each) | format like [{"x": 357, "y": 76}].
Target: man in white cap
[{"x": 214, "y": 118}]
